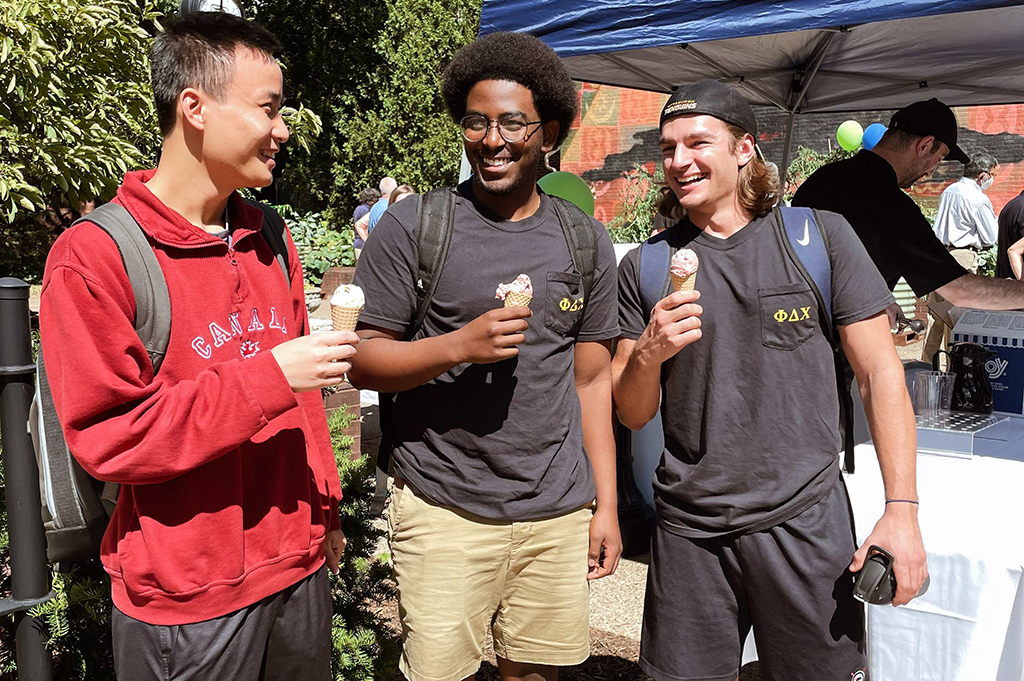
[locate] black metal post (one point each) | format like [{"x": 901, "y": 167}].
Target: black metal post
[{"x": 30, "y": 576}]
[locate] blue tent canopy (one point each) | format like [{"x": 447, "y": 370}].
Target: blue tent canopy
[{"x": 799, "y": 55}]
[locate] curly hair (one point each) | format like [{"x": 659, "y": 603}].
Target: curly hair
[{"x": 520, "y": 58}]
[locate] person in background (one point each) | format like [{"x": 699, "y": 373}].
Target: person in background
[
  {"x": 966, "y": 225},
  {"x": 401, "y": 192},
  {"x": 368, "y": 221},
  {"x": 895, "y": 233},
  {"x": 387, "y": 185},
  {"x": 367, "y": 198},
  {"x": 965, "y": 222},
  {"x": 1011, "y": 239}
]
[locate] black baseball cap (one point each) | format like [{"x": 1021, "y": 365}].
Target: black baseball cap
[
  {"x": 711, "y": 98},
  {"x": 934, "y": 118}
]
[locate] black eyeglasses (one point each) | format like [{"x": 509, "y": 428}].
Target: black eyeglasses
[{"x": 512, "y": 128}]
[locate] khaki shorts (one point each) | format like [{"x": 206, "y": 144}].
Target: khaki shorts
[{"x": 460, "y": 574}]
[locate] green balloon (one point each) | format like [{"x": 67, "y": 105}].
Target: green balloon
[
  {"x": 850, "y": 135},
  {"x": 570, "y": 187}
]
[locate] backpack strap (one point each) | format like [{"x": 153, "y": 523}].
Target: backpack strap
[
  {"x": 274, "y": 231},
  {"x": 152, "y": 301},
  {"x": 433, "y": 235},
  {"x": 436, "y": 217},
  {"x": 655, "y": 257},
  {"x": 581, "y": 238},
  {"x": 807, "y": 245}
]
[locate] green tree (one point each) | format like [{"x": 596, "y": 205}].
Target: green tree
[
  {"x": 373, "y": 71},
  {"x": 76, "y": 113}
]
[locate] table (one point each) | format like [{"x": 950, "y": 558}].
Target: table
[{"x": 970, "y": 624}]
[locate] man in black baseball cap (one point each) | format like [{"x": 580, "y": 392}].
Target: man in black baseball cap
[
  {"x": 930, "y": 118},
  {"x": 867, "y": 190},
  {"x": 754, "y": 528}
]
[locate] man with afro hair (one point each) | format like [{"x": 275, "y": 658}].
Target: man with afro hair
[{"x": 504, "y": 501}]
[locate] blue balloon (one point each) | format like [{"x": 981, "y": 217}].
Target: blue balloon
[{"x": 872, "y": 134}]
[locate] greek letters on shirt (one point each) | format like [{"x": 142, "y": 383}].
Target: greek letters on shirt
[{"x": 248, "y": 347}]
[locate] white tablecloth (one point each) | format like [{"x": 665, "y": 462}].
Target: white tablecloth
[{"x": 970, "y": 624}]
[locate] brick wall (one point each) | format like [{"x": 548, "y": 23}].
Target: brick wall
[{"x": 618, "y": 128}]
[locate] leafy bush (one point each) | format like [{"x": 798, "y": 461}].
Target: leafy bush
[
  {"x": 319, "y": 246},
  {"x": 639, "y": 205},
  {"x": 806, "y": 162},
  {"x": 77, "y": 619}
]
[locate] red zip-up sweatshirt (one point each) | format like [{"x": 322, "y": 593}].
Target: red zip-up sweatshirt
[{"x": 229, "y": 483}]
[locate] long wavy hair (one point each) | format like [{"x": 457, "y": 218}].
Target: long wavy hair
[{"x": 758, "y": 185}]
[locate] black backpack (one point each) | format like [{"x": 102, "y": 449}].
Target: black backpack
[
  {"x": 436, "y": 214},
  {"x": 76, "y": 507}
]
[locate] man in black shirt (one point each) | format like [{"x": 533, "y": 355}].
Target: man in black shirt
[
  {"x": 867, "y": 191},
  {"x": 1011, "y": 231},
  {"x": 754, "y": 527},
  {"x": 502, "y": 428}
]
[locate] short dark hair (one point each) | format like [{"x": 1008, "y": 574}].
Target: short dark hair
[
  {"x": 198, "y": 50},
  {"x": 368, "y": 195},
  {"x": 520, "y": 58},
  {"x": 901, "y": 140},
  {"x": 981, "y": 162}
]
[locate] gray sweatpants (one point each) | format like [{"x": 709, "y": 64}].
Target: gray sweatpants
[{"x": 285, "y": 636}]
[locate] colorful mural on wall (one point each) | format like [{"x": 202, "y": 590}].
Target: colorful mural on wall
[{"x": 618, "y": 128}]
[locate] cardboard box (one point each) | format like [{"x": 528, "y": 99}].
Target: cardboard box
[{"x": 1003, "y": 333}]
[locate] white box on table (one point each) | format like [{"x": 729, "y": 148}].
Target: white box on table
[{"x": 1002, "y": 333}]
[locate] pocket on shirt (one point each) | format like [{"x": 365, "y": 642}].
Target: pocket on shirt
[
  {"x": 789, "y": 315},
  {"x": 564, "y": 303}
]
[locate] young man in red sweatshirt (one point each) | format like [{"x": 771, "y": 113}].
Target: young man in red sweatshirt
[{"x": 228, "y": 504}]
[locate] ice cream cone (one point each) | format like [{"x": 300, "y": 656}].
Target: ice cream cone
[
  {"x": 345, "y": 318},
  {"x": 683, "y": 283},
  {"x": 513, "y": 299}
]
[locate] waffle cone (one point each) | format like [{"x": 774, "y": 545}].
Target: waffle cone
[
  {"x": 345, "y": 318},
  {"x": 517, "y": 300},
  {"x": 683, "y": 283}
]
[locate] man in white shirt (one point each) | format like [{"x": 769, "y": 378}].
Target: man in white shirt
[
  {"x": 965, "y": 220},
  {"x": 966, "y": 224}
]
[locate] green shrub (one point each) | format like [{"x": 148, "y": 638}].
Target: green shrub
[
  {"x": 319, "y": 246},
  {"x": 639, "y": 205}
]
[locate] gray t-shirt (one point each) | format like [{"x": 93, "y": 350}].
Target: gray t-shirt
[
  {"x": 751, "y": 410},
  {"x": 504, "y": 440}
]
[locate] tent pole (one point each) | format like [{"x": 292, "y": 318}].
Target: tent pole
[{"x": 787, "y": 149}]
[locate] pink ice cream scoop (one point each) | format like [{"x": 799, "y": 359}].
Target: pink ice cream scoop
[
  {"x": 683, "y": 269},
  {"x": 518, "y": 293},
  {"x": 684, "y": 263}
]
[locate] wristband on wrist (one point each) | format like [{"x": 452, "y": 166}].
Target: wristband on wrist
[{"x": 903, "y": 501}]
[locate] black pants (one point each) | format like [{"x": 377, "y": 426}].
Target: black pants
[
  {"x": 790, "y": 582},
  {"x": 284, "y": 637}
]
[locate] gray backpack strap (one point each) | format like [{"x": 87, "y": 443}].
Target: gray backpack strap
[
  {"x": 274, "y": 232},
  {"x": 152, "y": 302},
  {"x": 806, "y": 243},
  {"x": 582, "y": 241},
  {"x": 436, "y": 216}
]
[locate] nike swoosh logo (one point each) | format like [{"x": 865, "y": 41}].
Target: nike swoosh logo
[{"x": 807, "y": 235}]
